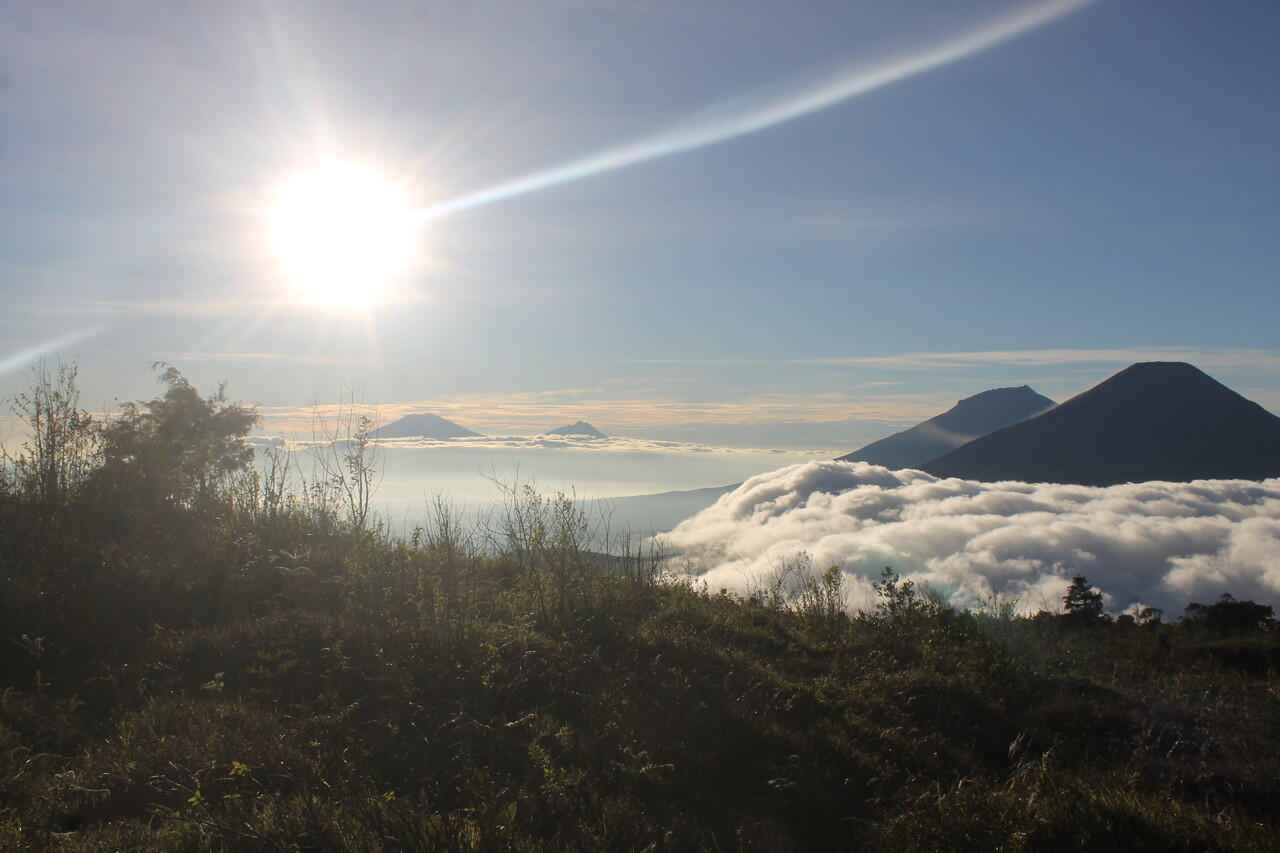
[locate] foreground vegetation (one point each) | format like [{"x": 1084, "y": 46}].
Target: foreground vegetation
[{"x": 200, "y": 656}]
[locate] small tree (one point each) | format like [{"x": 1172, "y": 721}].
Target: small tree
[
  {"x": 1229, "y": 616},
  {"x": 347, "y": 459},
  {"x": 61, "y": 445},
  {"x": 823, "y": 599},
  {"x": 1082, "y": 603},
  {"x": 176, "y": 447},
  {"x": 899, "y": 599}
]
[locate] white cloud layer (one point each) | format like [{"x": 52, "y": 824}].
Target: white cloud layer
[{"x": 1159, "y": 543}]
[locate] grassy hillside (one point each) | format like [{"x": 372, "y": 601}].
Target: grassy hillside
[{"x": 196, "y": 656}]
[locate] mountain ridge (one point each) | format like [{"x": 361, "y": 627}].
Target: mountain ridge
[
  {"x": 968, "y": 419},
  {"x": 1151, "y": 421}
]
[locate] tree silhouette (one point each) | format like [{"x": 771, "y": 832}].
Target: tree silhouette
[
  {"x": 1229, "y": 616},
  {"x": 1082, "y": 603},
  {"x": 176, "y": 447}
]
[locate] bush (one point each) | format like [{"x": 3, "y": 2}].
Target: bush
[
  {"x": 223, "y": 664},
  {"x": 1229, "y": 616},
  {"x": 176, "y": 448}
]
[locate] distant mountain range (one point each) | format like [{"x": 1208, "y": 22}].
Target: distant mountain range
[
  {"x": 423, "y": 425},
  {"x": 911, "y": 448},
  {"x": 970, "y": 418},
  {"x": 427, "y": 425},
  {"x": 579, "y": 428},
  {"x": 1150, "y": 421}
]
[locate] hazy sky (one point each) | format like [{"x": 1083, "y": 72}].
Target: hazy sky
[{"x": 827, "y": 219}]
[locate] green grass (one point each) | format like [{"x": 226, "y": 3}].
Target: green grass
[{"x": 246, "y": 668}]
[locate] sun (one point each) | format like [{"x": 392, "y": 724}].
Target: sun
[{"x": 341, "y": 233}]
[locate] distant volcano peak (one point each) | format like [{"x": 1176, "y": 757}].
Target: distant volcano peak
[
  {"x": 423, "y": 425},
  {"x": 578, "y": 428}
]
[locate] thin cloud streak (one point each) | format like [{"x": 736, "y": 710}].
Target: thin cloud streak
[
  {"x": 580, "y": 443},
  {"x": 1203, "y": 356},
  {"x": 196, "y": 307},
  {"x": 281, "y": 357},
  {"x": 151, "y": 307},
  {"x": 1258, "y": 359},
  {"x": 534, "y": 411},
  {"x": 774, "y": 109}
]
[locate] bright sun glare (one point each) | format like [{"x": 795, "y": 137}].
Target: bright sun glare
[{"x": 341, "y": 233}]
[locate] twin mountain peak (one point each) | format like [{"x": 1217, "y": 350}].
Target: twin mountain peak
[
  {"x": 426, "y": 425},
  {"x": 1151, "y": 421}
]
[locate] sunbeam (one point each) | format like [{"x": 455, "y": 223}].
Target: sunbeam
[
  {"x": 25, "y": 357},
  {"x": 761, "y": 111}
]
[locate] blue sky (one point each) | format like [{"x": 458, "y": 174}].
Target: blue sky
[{"x": 1099, "y": 189}]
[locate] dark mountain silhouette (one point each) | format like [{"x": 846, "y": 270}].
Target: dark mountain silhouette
[
  {"x": 1151, "y": 421},
  {"x": 971, "y": 417},
  {"x": 579, "y": 428},
  {"x": 424, "y": 425}
]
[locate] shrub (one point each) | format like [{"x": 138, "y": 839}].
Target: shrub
[
  {"x": 1229, "y": 616},
  {"x": 175, "y": 448}
]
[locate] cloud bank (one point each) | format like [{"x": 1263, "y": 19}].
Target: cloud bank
[
  {"x": 1160, "y": 544},
  {"x": 611, "y": 444}
]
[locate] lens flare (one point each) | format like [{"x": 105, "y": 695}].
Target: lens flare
[
  {"x": 26, "y": 357},
  {"x": 750, "y": 114}
]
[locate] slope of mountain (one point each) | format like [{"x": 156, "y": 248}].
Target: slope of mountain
[
  {"x": 657, "y": 513},
  {"x": 1150, "y": 421},
  {"x": 965, "y": 421},
  {"x": 579, "y": 428},
  {"x": 424, "y": 425}
]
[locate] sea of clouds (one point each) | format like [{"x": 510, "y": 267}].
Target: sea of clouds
[{"x": 1157, "y": 544}]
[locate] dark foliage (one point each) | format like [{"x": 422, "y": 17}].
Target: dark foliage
[
  {"x": 234, "y": 665},
  {"x": 1082, "y": 604},
  {"x": 1228, "y": 616}
]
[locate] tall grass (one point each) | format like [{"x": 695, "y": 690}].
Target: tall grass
[{"x": 248, "y": 661}]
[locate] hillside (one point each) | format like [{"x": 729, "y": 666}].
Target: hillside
[
  {"x": 1150, "y": 421},
  {"x": 659, "y": 512},
  {"x": 199, "y": 659},
  {"x": 966, "y": 420}
]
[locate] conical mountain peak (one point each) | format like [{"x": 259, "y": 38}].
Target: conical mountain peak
[
  {"x": 423, "y": 425},
  {"x": 577, "y": 428}
]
